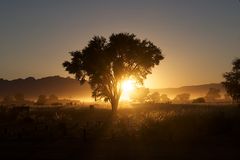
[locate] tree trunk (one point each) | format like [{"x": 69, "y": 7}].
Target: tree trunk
[{"x": 114, "y": 104}]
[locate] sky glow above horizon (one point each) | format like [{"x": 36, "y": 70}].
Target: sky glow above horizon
[{"x": 199, "y": 38}]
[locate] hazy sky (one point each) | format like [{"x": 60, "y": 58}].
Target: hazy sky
[{"x": 199, "y": 38}]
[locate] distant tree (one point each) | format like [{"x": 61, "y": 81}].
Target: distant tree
[
  {"x": 232, "y": 81},
  {"x": 164, "y": 98},
  {"x": 212, "y": 95},
  {"x": 106, "y": 64},
  {"x": 53, "y": 99},
  {"x": 140, "y": 95},
  {"x": 227, "y": 98},
  {"x": 154, "y": 97},
  {"x": 19, "y": 97},
  {"x": 8, "y": 100},
  {"x": 182, "y": 98},
  {"x": 42, "y": 99},
  {"x": 199, "y": 100}
]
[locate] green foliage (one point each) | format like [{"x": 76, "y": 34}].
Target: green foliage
[
  {"x": 232, "y": 81},
  {"x": 105, "y": 64}
]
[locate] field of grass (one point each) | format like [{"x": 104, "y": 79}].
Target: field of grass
[{"x": 147, "y": 131}]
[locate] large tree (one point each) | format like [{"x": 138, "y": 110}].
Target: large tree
[
  {"x": 232, "y": 81},
  {"x": 106, "y": 64}
]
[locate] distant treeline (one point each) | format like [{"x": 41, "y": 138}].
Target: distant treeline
[
  {"x": 143, "y": 95},
  {"x": 19, "y": 99}
]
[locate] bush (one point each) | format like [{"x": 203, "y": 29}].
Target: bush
[{"x": 199, "y": 100}]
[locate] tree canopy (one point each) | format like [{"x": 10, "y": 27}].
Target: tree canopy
[
  {"x": 213, "y": 94},
  {"x": 232, "y": 81},
  {"x": 182, "y": 98},
  {"x": 154, "y": 97},
  {"x": 106, "y": 64},
  {"x": 164, "y": 98}
]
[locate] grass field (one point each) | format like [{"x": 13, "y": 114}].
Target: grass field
[{"x": 147, "y": 131}]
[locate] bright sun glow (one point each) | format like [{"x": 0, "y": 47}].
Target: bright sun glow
[{"x": 128, "y": 87}]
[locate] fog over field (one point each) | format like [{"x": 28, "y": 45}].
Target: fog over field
[
  {"x": 70, "y": 88},
  {"x": 120, "y": 79}
]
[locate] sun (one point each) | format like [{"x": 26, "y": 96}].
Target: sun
[{"x": 128, "y": 87}]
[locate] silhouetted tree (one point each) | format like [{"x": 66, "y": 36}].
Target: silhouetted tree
[
  {"x": 105, "y": 64},
  {"x": 164, "y": 98},
  {"x": 227, "y": 98},
  {"x": 212, "y": 95},
  {"x": 232, "y": 81},
  {"x": 182, "y": 98},
  {"x": 42, "y": 99},
  {"x": 52, "y": 99},
  {"x": 140, "y": 95},
  {"x": 199, "y": 100},
  {"x": 8, "y": 100},
  {"x": 154, "y": 97},
  {"x": 19, "y": 97}
]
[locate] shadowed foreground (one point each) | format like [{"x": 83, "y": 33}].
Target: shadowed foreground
[{"x": 146, "y": 132}]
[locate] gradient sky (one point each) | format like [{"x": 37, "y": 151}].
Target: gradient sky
[{"x": 199, "y": 38}]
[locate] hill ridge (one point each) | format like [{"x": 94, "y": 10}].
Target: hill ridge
[{"x": 67, "y": 87}]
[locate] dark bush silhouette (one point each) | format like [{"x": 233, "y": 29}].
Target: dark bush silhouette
[
  {"x": 19, "y": 97},
  {"x": 199, "y": 100},
  {"x": 42, "y": 99},
  {"x": 232, "y": 81},
  {"x": 106, "y": 64},
  {"x": 227, "y": 98},
  {"x": 182, "y": 98},
  {"x": 154, "y": 97},
  {"x": 53, "y": 99},
  {"x": 212, "y": 95},
  {"x": 8, "y": 100},
  {"x": 164, "y": 99}
]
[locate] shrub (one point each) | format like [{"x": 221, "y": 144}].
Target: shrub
[{"x": 199, "y": 100}]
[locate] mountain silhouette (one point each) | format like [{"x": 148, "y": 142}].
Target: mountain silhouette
[
  {"x": 32, "y": 88},
  {"x": 70, "y": 88}
]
